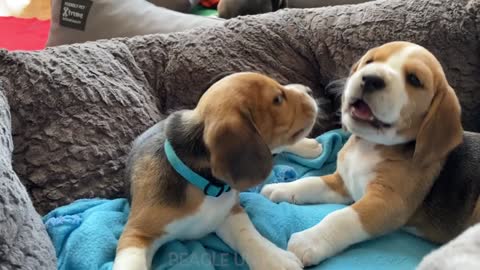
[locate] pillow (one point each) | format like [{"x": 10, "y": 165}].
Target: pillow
[
  {"x": 75, "y": 21},
  {"x": 24, "y": 242}
]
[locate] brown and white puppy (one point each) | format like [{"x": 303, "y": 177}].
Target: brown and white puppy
[
  {"x": 228, "y": 138},
  {"x": 405, "y": 120}
]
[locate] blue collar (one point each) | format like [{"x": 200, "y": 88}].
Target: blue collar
[{"x": 209, "y": 188}]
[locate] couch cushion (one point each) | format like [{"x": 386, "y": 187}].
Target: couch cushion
[
  {"x": 24, "y": 243},
  {"x": 73, "y": 122}
]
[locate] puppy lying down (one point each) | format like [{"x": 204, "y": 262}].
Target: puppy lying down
[
  {"x": 397, "y": 169},
  {"x": 186, "y": 171}
]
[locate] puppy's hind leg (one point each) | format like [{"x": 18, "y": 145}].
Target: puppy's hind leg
[
  {"x": 144, "y": 233},
  {"x": 132, "y": 251},
  {"x": 135, "y": 251}
]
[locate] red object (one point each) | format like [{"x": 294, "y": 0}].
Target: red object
[
  {"x": 209, "y": 3},
  {"x": 23, "y": 34}
]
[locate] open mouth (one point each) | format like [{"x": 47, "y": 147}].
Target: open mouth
[{"x": 360, "y": 111}]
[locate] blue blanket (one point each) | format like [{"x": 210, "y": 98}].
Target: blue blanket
[{"x": 85, "y": 233}]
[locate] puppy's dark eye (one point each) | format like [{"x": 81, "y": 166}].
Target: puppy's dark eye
[
  {"x": 369, "y": 61},
  {"x": 413, "y": 80},
  {"x": 278, "y": 100}
]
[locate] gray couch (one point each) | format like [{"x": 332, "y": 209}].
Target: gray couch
[{"x": 75, "y": 109}]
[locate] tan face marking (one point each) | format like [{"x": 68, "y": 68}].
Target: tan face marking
[
  {"x": 412, "y": 78},
  {"x": 277, "y": 111},
  {"x": 247, "y": 115}
]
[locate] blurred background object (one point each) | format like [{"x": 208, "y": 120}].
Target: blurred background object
[
  {"x": 39, "y": 9},
  {"x": 232, "y": 8}
]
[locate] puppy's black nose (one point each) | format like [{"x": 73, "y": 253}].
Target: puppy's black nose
[{"x": 372, "y": 83}]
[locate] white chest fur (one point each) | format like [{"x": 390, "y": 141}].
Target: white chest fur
[
  {"x": 206, "y": 219},
  {"x": 358, "y": 165}
]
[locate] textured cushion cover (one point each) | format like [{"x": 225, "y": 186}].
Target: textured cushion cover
[{"x": 24, "y": 242}]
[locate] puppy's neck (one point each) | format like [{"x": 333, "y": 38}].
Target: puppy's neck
[
  {"x": 402, "y": 151},
  {"x": 185, "y": 133}
]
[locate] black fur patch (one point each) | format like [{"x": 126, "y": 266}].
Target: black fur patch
[
  {"x": 186, "y": 140},
  {"x": 457, "y": 189}
]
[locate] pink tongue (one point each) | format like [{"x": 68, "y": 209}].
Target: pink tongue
[{"x": 362, "y": 111}]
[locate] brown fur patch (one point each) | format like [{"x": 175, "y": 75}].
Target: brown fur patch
[
  {"x": 254, "y": 94},
  {"x": 441, "y": 130},
  {"x": 380, "y": 210},
  {"x": 334, "y": 182},
  {"x": 237, "y": 208},
  {"x": 379, "y": 54},
  {"x": 145, "y": 169},
  {"x": 394, "y": 195}
]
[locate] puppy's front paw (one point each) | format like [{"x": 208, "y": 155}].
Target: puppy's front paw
[
  {"x": 275, "y": 258},
  {"x": 312, "y": 148},
  {"x": 310, "y": 247},
  {"x": 307, "y": 148},
  {"x": 280, "y": 192}
]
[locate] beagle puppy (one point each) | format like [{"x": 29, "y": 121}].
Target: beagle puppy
[
  {"x": 405, "y": 119},
  {"x": 226, "y": 141}
]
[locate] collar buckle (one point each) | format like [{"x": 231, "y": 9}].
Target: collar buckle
[{"x": 220, "y": 187}]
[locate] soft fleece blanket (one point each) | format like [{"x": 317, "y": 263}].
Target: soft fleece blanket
[{"x": 85, "y": 233}]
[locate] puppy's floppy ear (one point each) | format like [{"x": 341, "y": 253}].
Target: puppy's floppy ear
[
  {"x": 237, "y": 151},
  {"x": 441, "y": 130}
]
